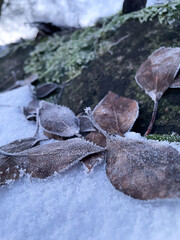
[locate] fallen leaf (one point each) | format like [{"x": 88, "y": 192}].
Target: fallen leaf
[
  {"x": 176, "y": 82},
  {"x": 20, "y": 145},
  {"x": 43, "y": 90},
  {"x": 31, "y": 110},
  {"x": 52, "y": 136},
  {"x": 8, "y": 171},
  {"x": 8, "y": 167},
  {"x": 58, "y": 120},
  {"x": 42, "y": 161},
  {"x": 143, "y": 169},
  {"x": 85, "y": 124},
  {"x": 91, "y": 161},
  {"x": 157, "y": 74},
  {"x": 116, "y": 115}
]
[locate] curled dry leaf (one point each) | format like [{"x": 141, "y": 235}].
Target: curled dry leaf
[
  {"x": 85, "y": 124},
  {"x": 58, "y": 120},
  {"x": 42, "y": 161},
  {"x": 142, "y": 169},
  {"x": 91, "y": 161},
  {"x": 157, "y": 74},
  {"x": 45, "y": 89},
  {"x": 176, "y": 82},
  {"x": 20, "y": 145},
  {"x": 8, "y": 167},
  {"x": 115, "y": 114},
  {"x": 31, "y": 110}
]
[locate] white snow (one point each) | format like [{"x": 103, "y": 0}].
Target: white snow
[
  {"x": 74, "y": 205},
  {"x": 15, "y": 19}
]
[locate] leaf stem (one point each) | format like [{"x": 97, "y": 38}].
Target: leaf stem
[{"x": 152, "y": 119}]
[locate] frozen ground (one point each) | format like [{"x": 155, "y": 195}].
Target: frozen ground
[{"x": 73, "y": 205}]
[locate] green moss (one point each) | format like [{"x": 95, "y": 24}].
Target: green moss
[
  {"x": 59, "y": 59},
  {"x": 164, "y": 137}
]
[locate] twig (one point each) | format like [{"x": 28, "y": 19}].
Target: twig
[{"x": 153, "y": 118}]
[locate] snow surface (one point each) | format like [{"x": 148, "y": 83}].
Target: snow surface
[
  {"x": 15, "y": 19},
  {"x": 74, "y": 205}
]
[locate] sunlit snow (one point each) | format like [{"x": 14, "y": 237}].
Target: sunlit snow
[{"x": 74, "y": 205}]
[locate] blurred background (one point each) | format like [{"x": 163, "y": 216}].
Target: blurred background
[{"x": 16, "y": 16}]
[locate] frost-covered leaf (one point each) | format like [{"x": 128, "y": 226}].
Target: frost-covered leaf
[
  {"x": 85, "y": 124},
  {"x": 143, "y": 169},
  {"x": 158, "y": 72},
  {"x": 115, "y": 114},
  {"x": 31, "y": 110},
  {"x": 91, "y": 161},
  {"x": 45, "y": 89},
  {"x": 42, "y": 161},
  {"x": 8, "y": 167},
  {"x": 176, "y": 82},
  {"x": 8, "y": 170},
  {"x": 58, "y": 120},
  {"x": 20, "y": 145}
]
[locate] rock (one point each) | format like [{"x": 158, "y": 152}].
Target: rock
[{"x": 142, "y": 169}]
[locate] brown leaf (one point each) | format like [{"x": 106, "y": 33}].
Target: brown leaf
[
  {"x": 115, "y": 114},
  {"x": 142, "y": 169},
  {"x": 8, "y": 167},
  {"x": 52, "y": 136},
  {"x": 58, "y": 120},
  {"x": 8, "y": 171},
  {"x": 91, "y": 161},
  {"x": 176, "y": 82},
  {"x": 45, "y": 89},
  {"x": 158, "y": 72},
  {"x": 20, "y": 145},
  {"x": 85, "y": 124},
  {"x": 42, "y": 161}
]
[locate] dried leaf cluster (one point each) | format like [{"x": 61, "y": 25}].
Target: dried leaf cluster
[{"x": 141, "y": 169}]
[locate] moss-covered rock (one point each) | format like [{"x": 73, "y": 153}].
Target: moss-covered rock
[
  {"x": 116, "y": 72},
  {"x": 106, "y": 57},
  {"x": 12, "y": 60},
  {"x": 60, "y": 59}
]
